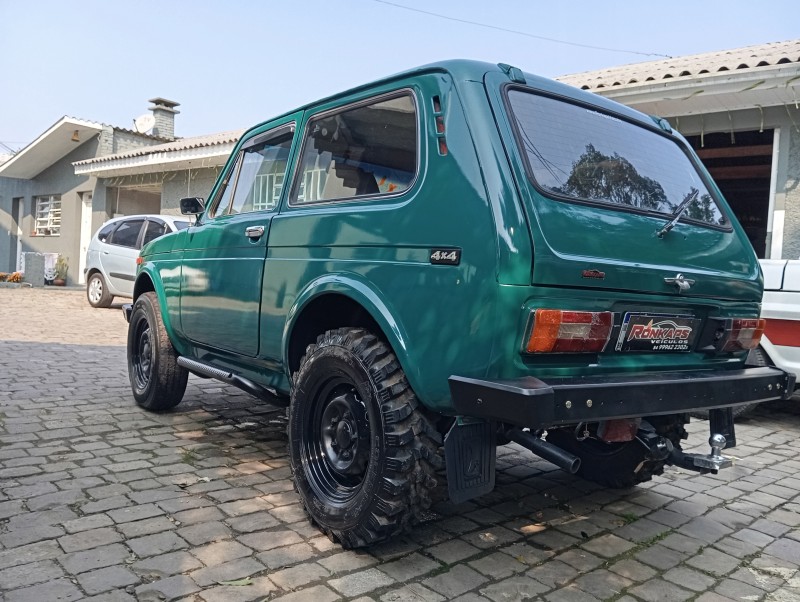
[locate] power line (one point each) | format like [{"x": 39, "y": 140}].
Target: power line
[{"x": 520, "y": 33}]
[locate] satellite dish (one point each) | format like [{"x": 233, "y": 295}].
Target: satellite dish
[{"x": 144, "y": 123}]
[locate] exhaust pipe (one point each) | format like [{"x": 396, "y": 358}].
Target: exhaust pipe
[{"x": 543, "y": 449}]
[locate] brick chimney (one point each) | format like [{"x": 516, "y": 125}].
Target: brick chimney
[{"x": 164, "y": 112}]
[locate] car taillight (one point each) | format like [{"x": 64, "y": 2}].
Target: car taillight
[
  {"x": 558, "y": 331},
  {"x": 742, "y": 334}
]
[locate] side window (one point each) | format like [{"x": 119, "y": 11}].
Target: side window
[
  {"x": 256, "y": 180},
  {"x": 105, "y": 232},
  {"x": 153, "y": 230},
  {"x": 127, "y": 233},
  {"x": 367, "y": 150}
]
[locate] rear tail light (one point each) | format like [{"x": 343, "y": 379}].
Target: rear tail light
[
  {"x": 742, "y": 334},
  {"x": 558, "y": 331}
]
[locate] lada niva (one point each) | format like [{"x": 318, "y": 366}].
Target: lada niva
[{"x": 449, "y": 259}]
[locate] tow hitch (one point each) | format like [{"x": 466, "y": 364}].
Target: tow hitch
[{"x": 661, "y": 448}]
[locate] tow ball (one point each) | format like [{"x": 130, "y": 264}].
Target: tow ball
[{"x": 662, "y": 449}]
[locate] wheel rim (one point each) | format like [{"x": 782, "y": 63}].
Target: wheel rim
[
  {"x": 95, "y": 290},
  {"x": 142, "y": 355},
  {"x": 337, "y": 442}
]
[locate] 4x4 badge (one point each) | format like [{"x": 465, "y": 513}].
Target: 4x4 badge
[{"x": 683, "y": 284}]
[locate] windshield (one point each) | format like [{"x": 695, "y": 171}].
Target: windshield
[{"x": 587, "y": 155}]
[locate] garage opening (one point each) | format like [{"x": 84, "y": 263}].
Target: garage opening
[{"x": 741, "y": 165}]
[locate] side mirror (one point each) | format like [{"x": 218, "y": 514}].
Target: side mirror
[{"x": 192, "y": 206}]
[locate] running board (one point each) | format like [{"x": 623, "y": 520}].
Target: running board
[{"x": 226, "y": 376}]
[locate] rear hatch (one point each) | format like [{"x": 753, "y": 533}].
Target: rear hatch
[{"x": 616, "y": 201}]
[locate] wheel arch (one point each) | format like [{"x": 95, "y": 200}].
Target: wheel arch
[
  {"x": 333, "y": 301},
  {"x": 147, "y": 281}
]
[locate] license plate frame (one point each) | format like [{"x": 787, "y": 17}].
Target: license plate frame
[{"x": 657, "y": 333}]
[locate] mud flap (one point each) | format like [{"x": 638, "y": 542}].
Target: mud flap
[
  {"x": 720, "y": 421},
  {"x": 469, "y": 450}
]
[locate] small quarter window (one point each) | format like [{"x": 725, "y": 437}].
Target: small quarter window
[
  {"x": 106, "y": 231},
  {"x": 368, "y": 150}
]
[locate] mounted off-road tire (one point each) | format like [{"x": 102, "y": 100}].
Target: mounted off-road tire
[
  {"x": 157, "y": 381},
  {"x": 756, "y": 357},
  {"x": 363, "y": 453},
  {"x": 620, "y": 465}
]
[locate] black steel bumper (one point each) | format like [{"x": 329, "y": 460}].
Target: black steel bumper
[
  {"x": 530, "y": 402},
  {"x": 127, "y": 310}
]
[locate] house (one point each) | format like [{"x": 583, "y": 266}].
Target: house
[
  {"x": 740, "y": 110},
  {"x": 46, "y": 207}
]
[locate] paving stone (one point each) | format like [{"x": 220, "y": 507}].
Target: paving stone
[
  {"x": 517, "y": 587},
  {"x": 139, "y": 512},
  {"x": 153, "y": 545},
  {"x": 570, "y": 593},
  {"x": 361, "y": 582},
  {"x": 713, "y": 561},
  {"x": 147, "y": 526},
  {"x": 454, "y": 582},
  {"x": 705, "y": 529},
  {"x": 167, "y": 564},
  {"x": 412, "y": 592},
  {"x": 57, "y": 589},
  {"x": 632, "y": 570},
  {"x": 660, "y": 557},
  {"x": 79, "y": 562},
  {"x": 318, "y": 593},
  {"x": 286, "y": 555},
  {"x": 579, "y": 559},
  {"x": 86, "y": 523},
  {"x": 260, "y": 588},
  {"x": 29, "y": 534},
  {"x": 452, "y": 551},
  {"x": 603, "y": 584},
  {"x": 495, "y": 566},
  {"x": 298, "y": 576},
  {"x": 221, "y": 552},
  {"x": 112, "y": 577},
  {"x": 411, "y": 566},
  {"x": 204, "y": 533},
  {"x": 349, "y": 560},
  {"x": 198, "y": 515},
  {"x": 690, "y": 579},
  {"x": 170, "y": 588},
  {"x": 553, "y": 573},
  {"x": 737, "y": 590},
  {"x": 785, "y": 549},
  {"x": 658, "y": 590},
  {"x": 267, "y": 540},
  {"x": 29, "y": 574},
  {"x": 228, "y": 571},
  {"x": 86, "y": 540}
]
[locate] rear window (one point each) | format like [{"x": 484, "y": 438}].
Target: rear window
[{"x": 580, "y": 153}]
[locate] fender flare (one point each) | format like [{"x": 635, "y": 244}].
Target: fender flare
[
  {"x": 147, "y": 271},
  {"x": 360, "y": 290}
]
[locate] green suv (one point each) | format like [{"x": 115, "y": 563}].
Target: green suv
[{"x": 449, "y": 259}]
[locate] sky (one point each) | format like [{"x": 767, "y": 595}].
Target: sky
[{"x": 234, "y": 63}]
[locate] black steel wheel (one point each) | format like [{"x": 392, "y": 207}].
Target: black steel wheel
[
  {"x": 620, "y": 465},
  {"x": 97, "y": 292},
  {"x": 157, "y": 381},
  {"x": 362, "y": 452}
]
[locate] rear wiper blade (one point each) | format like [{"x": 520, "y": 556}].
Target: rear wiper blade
[{"x": 677, "y": 215}]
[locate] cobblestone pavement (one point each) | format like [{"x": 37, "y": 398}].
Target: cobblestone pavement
[{"x": 100, "y": 500}]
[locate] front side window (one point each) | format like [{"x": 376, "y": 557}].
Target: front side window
[
  {"x": 581, "y": 153},
  {"x": 367, "y": 150},
  {"x": 127, "y": 233},
  {"x": 48, "y": 215},
  {"x": 256, "y": 179}
]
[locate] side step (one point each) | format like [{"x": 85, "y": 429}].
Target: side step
[{"x": 207, "y": 371}]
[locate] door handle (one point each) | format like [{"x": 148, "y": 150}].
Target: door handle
[{"x": 254, "y": 231}]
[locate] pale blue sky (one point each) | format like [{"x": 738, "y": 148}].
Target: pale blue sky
[{"x": 232, "y": 64}]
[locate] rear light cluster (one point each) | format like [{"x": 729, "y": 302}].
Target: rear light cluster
[
  {"x": 742, "y": 334},
  {"x": 558, "y": 331}
]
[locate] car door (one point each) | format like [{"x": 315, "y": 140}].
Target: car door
[
  {"x": 225, "y": 251},
  {"x": 119, "y": 253}
]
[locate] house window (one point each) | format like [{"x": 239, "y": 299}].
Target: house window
[{"x": 48, "y": 215}]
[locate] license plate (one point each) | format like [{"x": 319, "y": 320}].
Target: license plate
[{"x": 657, "y": 332}]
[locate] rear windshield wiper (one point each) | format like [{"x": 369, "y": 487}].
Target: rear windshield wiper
[{"x": 677, "y": 215}]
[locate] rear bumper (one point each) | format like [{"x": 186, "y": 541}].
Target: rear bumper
[{"x": 530, "y": 402}]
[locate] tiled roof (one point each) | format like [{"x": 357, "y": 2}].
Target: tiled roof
[
  {"x": 750, "y": 57},
  {"x": 176, "y": 145}
]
